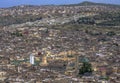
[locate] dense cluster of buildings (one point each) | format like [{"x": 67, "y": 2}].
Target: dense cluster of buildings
[
  {"x": 53, "y": 10},
  {"x": 52, "y": 50},
  {"x": 39, "y": 54}
]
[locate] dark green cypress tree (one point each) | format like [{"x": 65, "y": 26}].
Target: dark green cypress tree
[{"x": 86, "y": 68}]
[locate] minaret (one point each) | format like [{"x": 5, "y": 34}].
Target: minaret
[
  {"x": 18, "y": 69},
  {"x": 93, "y": 48},
  {"x": 44, "y": 61},
  {"x": 115, "y": 70},
  {"x": 103, "y": 71},
  {"x": 32, "y": 59},
  {"x": 76, "y": 64}
]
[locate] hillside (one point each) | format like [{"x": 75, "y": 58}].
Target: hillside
[
  {"x": 87, "y": 3},
  {"x": 30, "y": 13}
]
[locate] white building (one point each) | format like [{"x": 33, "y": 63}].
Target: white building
[{"x": 32, "y": 59}]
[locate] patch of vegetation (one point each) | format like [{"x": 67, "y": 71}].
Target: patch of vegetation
[
  {"x": 84, "y": 20},
  {"x": 110, "y": 33},
  {"x": 70, "y": 56},
  {"x": 8, "y": 20},
  {"x": 102, "y": 19},
  {"x": 17, "y": 33},
  {"x": 86, "y": 68}
]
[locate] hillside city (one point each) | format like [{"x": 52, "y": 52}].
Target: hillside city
[{"x": 76, "y": 43}]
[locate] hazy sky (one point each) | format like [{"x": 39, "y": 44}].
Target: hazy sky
[{"x": 9, "y": 3}]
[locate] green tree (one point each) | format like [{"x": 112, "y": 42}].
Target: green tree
[
  {"x": 86, "y": 68},
  {"x": 111, "y": 33}
]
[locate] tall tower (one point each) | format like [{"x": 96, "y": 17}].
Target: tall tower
[
  {"x": 44, "y": 61},
  {"x": 115, "y": 70},
  {"x": 32, "y": 59},
  {"x": 103, "y": 71},
  {"x": 76, "y": 64}
]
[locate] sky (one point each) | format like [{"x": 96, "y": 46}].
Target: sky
[{"x": 10, "y": 3}]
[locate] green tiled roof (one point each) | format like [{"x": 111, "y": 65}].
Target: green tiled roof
[{"x": 84, "y": 59}]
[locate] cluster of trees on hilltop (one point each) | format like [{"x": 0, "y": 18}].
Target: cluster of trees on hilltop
[
  {"x": 105, "y": 19},
  {"x": 111, "y": 19},
  {"x": 8, "y": 20}
]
